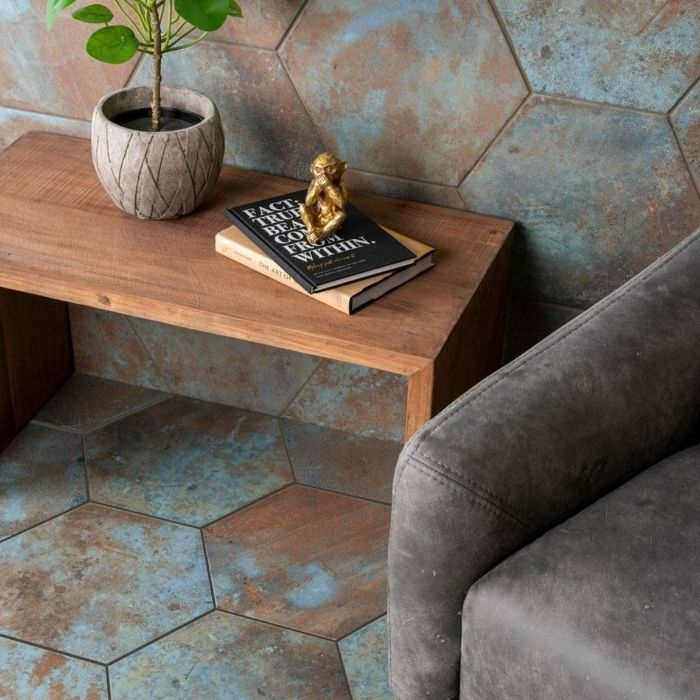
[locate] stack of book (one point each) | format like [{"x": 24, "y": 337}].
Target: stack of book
[{"x": 347, "y": 270}]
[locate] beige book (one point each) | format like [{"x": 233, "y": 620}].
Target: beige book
[{"x": 347, "y": 298}]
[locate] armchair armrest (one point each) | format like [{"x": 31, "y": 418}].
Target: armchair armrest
[{"x": 601, "y": 399}]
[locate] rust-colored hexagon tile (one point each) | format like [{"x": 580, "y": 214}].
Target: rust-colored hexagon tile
[
  {"x": 353, "y": 399},
  {"x": 99, "y": 583},
  {"x": 686, "y": 118},
  {"x": 302, "y": 558},
  {"x": 27, "y": 672},
  {"x": 225, "y": 656},
  {"x": 345, "y": 462},
  {"x": 365, "y": 655},
  {"x": 414, "y": 90},
  {"x": 186, "y": 460},
  {"x": 85, "y": 403},
  {"x": 41, "y": 475}
]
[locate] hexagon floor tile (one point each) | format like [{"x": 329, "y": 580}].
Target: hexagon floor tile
[
  {"x": 41, "y": 475},
  {"x": 222, "y": 657},
  {"x": 186, "y": 460},
  {"x": 353, "y": 399},
  {"x": 365, "y": 656},
  {"x": 302, "y": 558},
  {"x": 30, "y": 673},
  {"x": 686, "y": 118},
  {"x": 338, "y": 461},
  {"x": 99, "y": 583},
  {"x": 85, "y": 403}
]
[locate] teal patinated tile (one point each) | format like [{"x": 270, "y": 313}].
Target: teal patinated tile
[
  {"x": 42, "y": 474},
  {"x": 224, "y": 657},
  {"x": 30, "y": 673},
  {"x": 15, "y": 122},
  {"x": 186, "y": 460},
  {"x": 85, "y": 403},
  {"x": 234, "y": 372},
  {"x": 638, "y": 54},
  {"x": 302, "y": 558},
  {"x": 599, "y": 192},
  {"x": 265, "y": 124},
  {"x": 406, "y": 88},
  {"x": 345, "y": 462},
  {"x": 99, "y": 582},
  {"x": 106, "y": 345},
  {"x": 50, "y": 71},
  {"x": 686, "y": 118},
  {"x": 365, "y": 656},
  {"x": 353, "y": 399}
]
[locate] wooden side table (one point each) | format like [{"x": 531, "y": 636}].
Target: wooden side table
[{"x": 62, "y": 239}]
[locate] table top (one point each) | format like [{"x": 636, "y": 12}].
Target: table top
[{"x": 61, "y": 237}]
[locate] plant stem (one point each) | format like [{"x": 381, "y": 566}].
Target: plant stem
[{"x": 155, "y": 100}]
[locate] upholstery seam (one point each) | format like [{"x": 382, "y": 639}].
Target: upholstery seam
[{"x": 593, "y": 313}]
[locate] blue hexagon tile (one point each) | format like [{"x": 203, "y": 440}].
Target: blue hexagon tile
[
  {"x": 600, "y": 192},
  {"x": 85, "y": 403},
  {"x": 186, "y": 460},
  {"x": 222, "y": 657},
  {"x": 353, "y": 399},
  {"x": 306, "y": 559},
  {"x": 30, "y": 673},
  {"x": 345, "y": 462},
  {"x": 41, "y": 475},
  {"x": 637, "y": 54},
  {"x": 99, "y": 583},
  {"x": 234, "y": 372},
  {"x": 265, "y": 123},
  {"x": 404, "y": 87},
  {"x": 686, "y": 118},
  {"x": 365, "y": 656}
]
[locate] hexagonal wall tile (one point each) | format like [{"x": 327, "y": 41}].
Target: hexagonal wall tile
[
  {"x": 265, "y": 123},
  {"x": 353, "y": 399},
  {"x": 98, "y": 582},
  {"x": 638, "y": 54},
  {"x": 50, "y": 71},
  {"x": 84, "y": 403},
  {"x": 41, "y": 475},
  {"x": 302, "y": 558},
  {"x": 365, "y": 656},
  {"x": 186, "y": 460},
  {"x": 37, "y": 674},
  {"x": 223, "y": 656},
  {"x": 686, "y": 118},
  {"x": 263, "y": 24},
  {"x": 600, "y": 192},
  {"x": 404, "y": 88},
  {"x": 345, "y": 462},
  {"x": 15, "y": 122}
]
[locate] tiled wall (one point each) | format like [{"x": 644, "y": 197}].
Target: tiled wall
[{"x": 580, "y": 119}]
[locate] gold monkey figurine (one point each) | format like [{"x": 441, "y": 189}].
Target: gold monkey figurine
[{"x": 323, "y": 211}]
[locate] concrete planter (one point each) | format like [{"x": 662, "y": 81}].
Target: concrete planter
[{"x": 159, "y": 175}]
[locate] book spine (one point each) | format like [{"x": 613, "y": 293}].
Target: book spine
[
  {"x": 306, "y": 284},
  {"x": 261, "y": 263}
]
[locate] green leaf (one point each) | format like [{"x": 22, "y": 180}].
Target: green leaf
[
  {"x": 207, "y": 15},
  {"x": 54, "y": 9},
  {"x": 234, "y": 9},
  {"x": 94, "y": 14},
  {"x": 116, "y": 44}
]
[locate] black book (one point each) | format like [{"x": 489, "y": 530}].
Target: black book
[{"x": 359, "y": 249}]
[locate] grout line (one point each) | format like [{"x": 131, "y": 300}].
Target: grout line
[
  {"x": 247, "y": 505},
  {"x": 292, "y": 26},
  {"x": 286, "y": 449},
  {"x": 301, "y": 388},
  {"x": 342, "y": 665},
  {"x": 214, "y": 39},
  {"x": 41, "y": 522},
  {"x": 156, "y": 367},
  {"x": 696, "y": 185},
  {"x": 208, "y": 567},
  {"x": 160, "y": 637},
  {"x": 59, "y": 428},
  {"x": 109, "y": 684},
  {"x": 144, "y": 515},
  {"x": 511, "y": 46},
  {"x": 276, "y": 624},
  {"x": 56, "y": 115},
  {"x": 683, "y": 96},
  {"x": 367, "y": 499},
  {"x": 366, "y": 624},
  {"x": 85, "y": 468},
  {"x": 4, "y": 635},
  {"x": 597, "y": 103}
]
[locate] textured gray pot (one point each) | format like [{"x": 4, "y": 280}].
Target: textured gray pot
[{"x": 159, "y": 175}]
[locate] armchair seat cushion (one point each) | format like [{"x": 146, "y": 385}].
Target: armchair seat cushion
[{"x": 603, "y": 606}]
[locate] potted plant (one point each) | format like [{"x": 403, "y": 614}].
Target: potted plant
[{"x": 158, "y": 150}]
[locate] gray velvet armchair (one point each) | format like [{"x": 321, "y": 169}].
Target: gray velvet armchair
[{"x": 545, "y": 536}]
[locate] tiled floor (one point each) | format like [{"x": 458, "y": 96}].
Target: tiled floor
[{"x": 157, "y": 546}]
